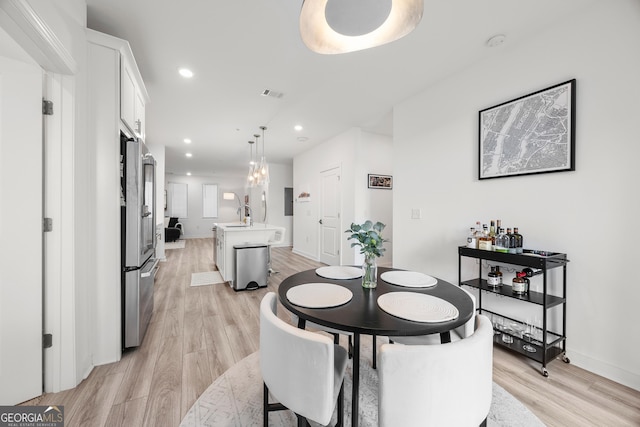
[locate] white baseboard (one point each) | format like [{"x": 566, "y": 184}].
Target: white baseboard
[
  {"x": 604, "y": 369},
  {"x": 304, "y": 254}
]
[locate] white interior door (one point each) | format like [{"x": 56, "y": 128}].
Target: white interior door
[
  {"x": 21, "y": 230},
  {"x": 330, "y": 231}
]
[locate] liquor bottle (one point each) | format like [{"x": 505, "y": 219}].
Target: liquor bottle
[
  {"x": 512, "y": 242},
  {"x": 519, "y": 240},
  {"x": 471, "y": 239},
  {"x": 530, "y": 272},
  {"x": 518, "y": 284},
  {"x": 499, "y": 273},
  {"x": 492, "y": 232},
  {"x": 478, "y": 234},
  {"x": 493, "y": 280},
  {"x": 502, "y": 242},
  {"x": 484, "y": 242}
]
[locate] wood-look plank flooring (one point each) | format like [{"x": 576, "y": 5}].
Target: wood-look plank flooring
[{"x": 197, "y": 333}]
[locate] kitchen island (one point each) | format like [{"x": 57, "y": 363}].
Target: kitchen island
[{"x": 230, "y": 234}]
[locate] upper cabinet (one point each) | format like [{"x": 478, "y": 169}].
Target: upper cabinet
[
  {"x": 107, "y": 52},
  {"x": 132, "y": 100}
]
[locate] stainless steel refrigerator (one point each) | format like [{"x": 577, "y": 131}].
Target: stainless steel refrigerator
[{"x": 138, "y": 240}]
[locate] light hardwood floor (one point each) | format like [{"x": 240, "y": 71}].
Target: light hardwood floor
[{"x": 197, "y": 333}]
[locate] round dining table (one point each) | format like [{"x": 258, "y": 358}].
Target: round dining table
[{"x": 362, "y": 314}]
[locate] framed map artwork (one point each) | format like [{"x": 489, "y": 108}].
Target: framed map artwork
[{"x": 529, "y": 135}]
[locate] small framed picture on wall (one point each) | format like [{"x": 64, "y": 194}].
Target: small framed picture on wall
[{"x": 380, "y": 181}]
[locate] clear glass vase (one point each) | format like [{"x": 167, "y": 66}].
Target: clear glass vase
[{"x": 369, "y": 272}]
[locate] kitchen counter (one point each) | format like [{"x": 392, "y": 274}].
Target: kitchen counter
[{"x": 229, "y": 234}]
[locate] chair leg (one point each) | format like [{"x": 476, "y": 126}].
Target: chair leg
[
  {"x": 350, "y": 348},
  {"x": 265, "y": 404},
  {"x": 302, "y": 421},
  {"x": 336, "y": 339},
  {"x": 340, "y": 422},
  {"x": 374, "y": 352},
  {"x": 484, "y": 423}
]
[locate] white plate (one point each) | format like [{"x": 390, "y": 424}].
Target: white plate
[
  {"x": 339, "y": 272},
  {"x": 417, "y": 307},
  {"x": 319, "y": 295},
  {"x": 410, "y": 279}
]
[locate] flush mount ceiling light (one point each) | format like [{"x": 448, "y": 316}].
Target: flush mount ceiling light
[
  {"x": 339, "y": 26},
  {"x": 185, "y": 72},
  {"x": 187, "y": 141}
]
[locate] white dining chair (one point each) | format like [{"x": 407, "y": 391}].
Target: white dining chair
[
  {"x": 303, "y": 370},
  {"x": 437, "y": 385},
  {"x": 457, "y": 334}
]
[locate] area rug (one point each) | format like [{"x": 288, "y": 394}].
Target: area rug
[
  {"x": 178, "y": 244},
  {"x": 235, "y": 399},
  {"x": 206, "y": 278}
]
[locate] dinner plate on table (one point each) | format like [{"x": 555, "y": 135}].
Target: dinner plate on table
[
  {"x": 339, "y": 272},
  {"x": 319, "y": 295},
  {"x": 409, "y": 279},
  {"x": 417, "y": 307}
]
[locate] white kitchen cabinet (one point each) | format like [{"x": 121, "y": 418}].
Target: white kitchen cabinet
[{"x": 132, "y": 99}]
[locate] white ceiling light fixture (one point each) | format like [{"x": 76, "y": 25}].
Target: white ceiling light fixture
[
  {"x": 251, "y": 176},
  {"x": 187, "y": 141},
  {"x": 339, "y": 26},
  {"x": 297, "y": 128},
  {"x": 188, "y": 154},
  {"x": 263, "y": 166},
  {"x": 185, "y": 72}
]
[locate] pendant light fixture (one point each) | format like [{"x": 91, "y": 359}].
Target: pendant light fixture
[
  {"x": 263, "y": 166},
  {"x": 340, "y": 26},
  {"x": 251, "y": 181}
]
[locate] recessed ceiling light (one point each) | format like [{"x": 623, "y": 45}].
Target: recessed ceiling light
[
  {"x": 187, "y": 141},
  {"x": 188, "y": 173},
  {"x": 496, "y": 40},
  {"x": 186, "y": 73},
  {"x": 188, "y": 154},
  {"x": 302, "y": 139},
  {"x": 298, "y": 127}
]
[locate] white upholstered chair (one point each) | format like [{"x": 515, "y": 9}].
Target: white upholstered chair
[
  {"x": 457, "y": 334},
  {"x": 437, "y": 385},
  {"x": 303, "y": 370}
]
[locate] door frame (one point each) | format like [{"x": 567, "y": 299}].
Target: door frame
[{"x": 19, "y": 19}]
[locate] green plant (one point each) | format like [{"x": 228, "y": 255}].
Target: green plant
[{"x": 368, "y": 236}]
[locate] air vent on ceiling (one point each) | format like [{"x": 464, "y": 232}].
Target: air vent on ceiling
[{"x": 272, "y": 93}]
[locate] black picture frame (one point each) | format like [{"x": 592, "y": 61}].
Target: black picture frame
[
  {"x": 529, "y": 135},
  {"x": 380, "y": 181}
]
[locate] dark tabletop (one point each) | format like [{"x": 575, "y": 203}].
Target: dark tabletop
[{"x": 362, "y": 314}]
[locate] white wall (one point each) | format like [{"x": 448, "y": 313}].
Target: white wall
[
  {"x": 591, "y": 214},
  {"x": 357, "y": 153}
]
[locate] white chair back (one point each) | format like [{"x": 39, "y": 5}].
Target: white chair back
[
  {"x": 437, "y": 385},
  {"x": 297, "y": 365}
]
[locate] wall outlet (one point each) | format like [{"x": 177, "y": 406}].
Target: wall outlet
[{"x": 416, "y": 214}]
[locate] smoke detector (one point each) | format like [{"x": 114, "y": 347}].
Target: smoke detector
[{"x": 496, "y": 40}]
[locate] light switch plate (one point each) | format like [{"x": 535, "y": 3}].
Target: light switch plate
[{"x": 416, "y": 214}]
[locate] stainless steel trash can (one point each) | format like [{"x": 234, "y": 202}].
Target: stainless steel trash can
[{"x": 250, "y": 266}]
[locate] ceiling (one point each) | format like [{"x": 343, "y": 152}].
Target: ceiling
[{"x": 239, "y": 48}]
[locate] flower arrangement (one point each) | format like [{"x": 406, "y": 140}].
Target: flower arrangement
[{"x": 368, "y": 236}]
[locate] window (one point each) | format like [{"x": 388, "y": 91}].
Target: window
[
  {"x": 177, "y": 200},
  {"x": 209, "y": 201}
]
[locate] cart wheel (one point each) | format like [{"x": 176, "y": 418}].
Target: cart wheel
[
  {"x": 565, "y": 359},
  {"x": 545, "y": 373}
]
